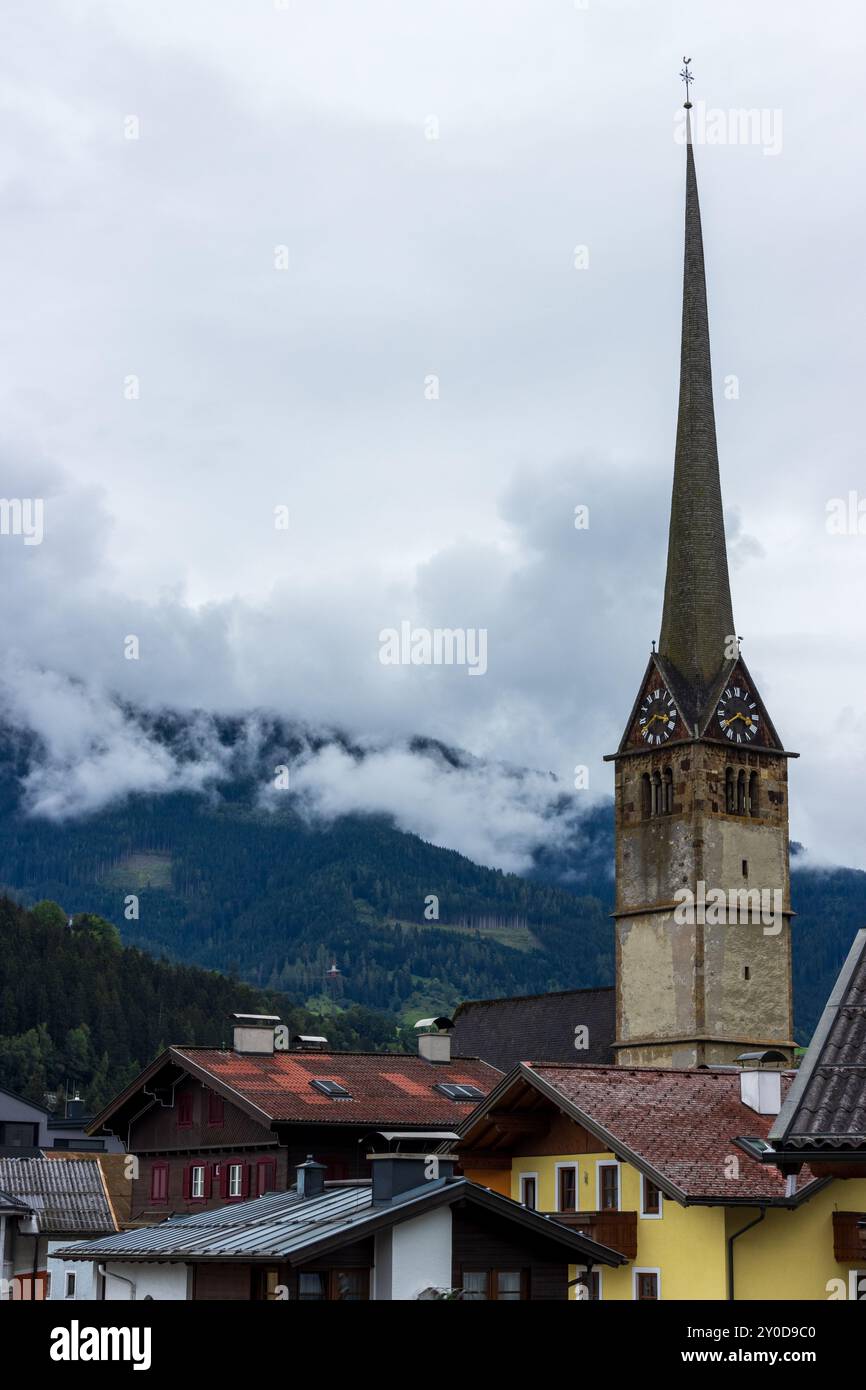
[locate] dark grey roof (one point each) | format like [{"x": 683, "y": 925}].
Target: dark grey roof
[
  {"x": 537, "y": 1027},
  {"x": 280, "y": 1226},
  {"x": 8, "y": 1203},
  {"x": 66, "y": 1195},
  {"x": 826, "y": 1106}
]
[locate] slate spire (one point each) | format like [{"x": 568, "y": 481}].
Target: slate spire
[{"x": 698, "y": 616}]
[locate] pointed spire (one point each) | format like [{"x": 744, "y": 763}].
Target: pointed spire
[{"x": 698, "y": 616}]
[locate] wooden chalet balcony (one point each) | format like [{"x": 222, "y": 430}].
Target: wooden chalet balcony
[
  {"x": 849, "y": 1242},
  {"x": 616, "y": 1229}
]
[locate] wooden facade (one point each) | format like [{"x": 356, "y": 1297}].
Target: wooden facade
[{"x": 202, "y": 1129}]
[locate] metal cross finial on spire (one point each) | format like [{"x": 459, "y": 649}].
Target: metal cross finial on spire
[{"x": 688, "y": 79}]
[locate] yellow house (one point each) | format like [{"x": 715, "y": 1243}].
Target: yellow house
[{"x": 665, "y": 1166}]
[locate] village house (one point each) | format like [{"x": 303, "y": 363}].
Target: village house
[
  {"x": 665, "y": 1166},
  {"x": 45, "y": 1202},
  {"x": 412, "y": 1231},
  {"x": 30, "y": 1129},
  {"x": 211, "y": 1126}
]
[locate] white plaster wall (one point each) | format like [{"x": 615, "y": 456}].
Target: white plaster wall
[
  {"x": 161, "y": 1282},
  {"x": 421, "y": 1254},
  {"x": 84, "y": 1271}
]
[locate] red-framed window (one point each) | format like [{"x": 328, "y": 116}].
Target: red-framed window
[
  {"x": 184, "y": 1110},
  {"x": 197, "y": 1181},
  {"x": 266, "y": 1176},
  {"x": 159, "y": 1181},
  {"x": 234, "y": 1179},
  {"x": 215, "y": 1109}
]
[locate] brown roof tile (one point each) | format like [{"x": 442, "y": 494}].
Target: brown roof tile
[
  {"x": 387, "y": 1088},
  {"x": 683, "y": 1124}
]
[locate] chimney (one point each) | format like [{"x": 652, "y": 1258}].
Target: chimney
[
  {"x": 254, "y": 1033},
  {"x": 396, "y": 1174},
  {"x": 434, "y": 1044},
  {"x": 309, "y": 1042},
  {"x": 74, "y": 1107},
  {"x": 311, "y": 1178},
  {"x": 761, "y": 1091}
]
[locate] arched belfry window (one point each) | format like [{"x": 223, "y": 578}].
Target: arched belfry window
[
  {"x": 754, "y": 795},
  {"x": 730, "y": 792},
  {"x": 658, "y": 795},
  {"x": 646, "y": 796},
  {"x": 741, "y": 793},
  {"x": 668, "y": 791}
]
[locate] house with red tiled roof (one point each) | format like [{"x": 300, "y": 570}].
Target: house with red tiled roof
[
  {"x": 210, "y": 1126},
  {"x": 665, "y": 1165}
]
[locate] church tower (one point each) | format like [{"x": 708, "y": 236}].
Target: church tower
[{"x": 703, "y": 945}]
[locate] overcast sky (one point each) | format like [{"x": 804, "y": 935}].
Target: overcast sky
[{"x": 299, "y": 134}]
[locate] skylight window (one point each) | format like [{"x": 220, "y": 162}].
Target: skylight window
[
  {"x": 333, "y": 1089},
  {"x": 457, "y": 1091}
]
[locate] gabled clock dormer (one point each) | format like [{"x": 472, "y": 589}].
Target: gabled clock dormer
[{"x": 701, "y": 781}]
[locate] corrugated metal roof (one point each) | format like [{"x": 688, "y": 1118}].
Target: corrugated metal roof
[
  {"x": 247, "y": 1227},
  {"x": 281, "y": 1226},
  {"x": 67, "y": 1196}
]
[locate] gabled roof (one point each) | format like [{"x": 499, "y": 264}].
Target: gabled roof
[
  {"x": 279, "y": 1226},
  {"x": 68, "y": 1196},
  {"x": 503, "y": 1031},
  {"x": 825, "y": 1109},
  {"x": 5, "y": 1091},
  {"x": 680, "y": 1128},
  {"x": 13, "y": 1206},
  {"x": 114, "y": 1176},
  {"x": 390, "y": 1089}
]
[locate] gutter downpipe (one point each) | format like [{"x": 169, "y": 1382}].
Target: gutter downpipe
[
  {"x": 114, "y": 1275},
  {"x": 741, "y": 1232}
]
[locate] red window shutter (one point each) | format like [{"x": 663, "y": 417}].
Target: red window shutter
[
  {"x": 224, "y": 1178},
  {"x": 266, "y": 1180},
  {"x": 159, "y": 1182},
  {"x": 187, "y": 1181},
  {"x": 245, "y": 1179},
  {"x": 208, "y": 1180}
]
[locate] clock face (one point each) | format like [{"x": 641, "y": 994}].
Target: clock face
[
  {"x": 658, "y": 717},
  {"x": 738, "y": 716}
]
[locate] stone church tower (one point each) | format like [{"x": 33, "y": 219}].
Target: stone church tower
[{"x": 701, "y": 780}]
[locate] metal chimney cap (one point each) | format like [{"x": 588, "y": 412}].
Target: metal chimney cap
[
  {"x": 758, "y": 1059},
  {"x": 442, "y": 1023}
]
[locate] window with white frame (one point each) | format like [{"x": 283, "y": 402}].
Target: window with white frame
[
  {"x": 235, "y": 1179},
  {"x": 646, "y": 1285},
  {"x": 607, "y": 1184},
  {"x": 196, "y": 1185},
  {"x": 70, "y": 1283},
  {"x": 529, "y": 1190},
  {"x": 566, "y": 1187},
  {"x": 650, "y": 1199}
]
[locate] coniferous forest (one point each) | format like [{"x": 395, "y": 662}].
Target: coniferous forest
[{"x": 351, "y": 921}]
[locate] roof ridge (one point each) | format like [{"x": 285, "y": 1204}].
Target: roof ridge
[
  {"x": 317, "y": 1052},
  {"x": 542, "y": 994}
]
